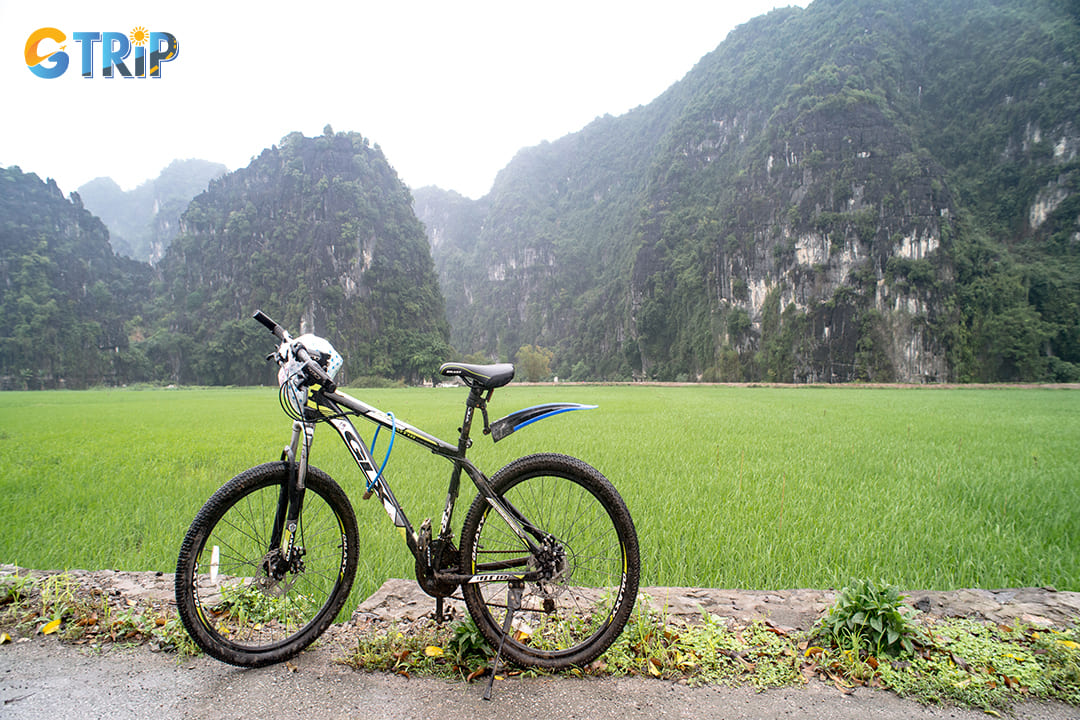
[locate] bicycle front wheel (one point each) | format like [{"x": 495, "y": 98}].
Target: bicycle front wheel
[
  {"x": 588, "y": 560},
  {"x": 240, "y": 598}
]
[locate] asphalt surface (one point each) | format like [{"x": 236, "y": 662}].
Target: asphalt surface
[{"x": 42, "y": 679}]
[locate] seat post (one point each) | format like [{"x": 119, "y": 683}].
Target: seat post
[{"x": 475, "y": 400}]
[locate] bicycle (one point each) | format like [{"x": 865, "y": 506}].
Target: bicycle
[{"x": 548, "y": 563}]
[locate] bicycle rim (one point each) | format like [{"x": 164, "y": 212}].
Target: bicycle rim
[
  {"x": 572, "y": 618},
  {"x": 241, "y": 600}
]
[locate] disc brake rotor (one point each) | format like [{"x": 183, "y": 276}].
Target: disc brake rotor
[{"x": 280, "y": 574}]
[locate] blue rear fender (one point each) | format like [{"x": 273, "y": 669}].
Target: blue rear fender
[{"x": 527, "y": 416}]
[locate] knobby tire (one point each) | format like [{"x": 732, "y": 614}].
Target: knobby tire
[
  {"x": 573, "y": 618},
  {"x": 231, "y": 606}
]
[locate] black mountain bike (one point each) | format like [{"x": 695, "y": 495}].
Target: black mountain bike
[{"x": 548, "y": 562}]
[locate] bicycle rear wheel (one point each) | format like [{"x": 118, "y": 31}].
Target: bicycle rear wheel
[
  {"x": 589, "y": 552},
  {"x": 239, "y": 598}
]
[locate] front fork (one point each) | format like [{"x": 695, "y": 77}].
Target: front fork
[{"x": 282, "y": 553}]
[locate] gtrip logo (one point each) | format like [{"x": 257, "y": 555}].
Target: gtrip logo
[{"x": 46, "y": 54}]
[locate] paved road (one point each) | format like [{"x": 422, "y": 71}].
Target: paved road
[{"x": 43, "y": 680}]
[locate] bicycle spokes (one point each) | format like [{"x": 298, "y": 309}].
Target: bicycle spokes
[
  {"x": 247, "y": 602},
  {"x": 577, "y": 590}
]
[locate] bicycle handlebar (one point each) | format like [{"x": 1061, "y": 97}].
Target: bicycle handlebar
[
  {"x": 311, "y": 368},
  {"x": 270, "y": 325}
]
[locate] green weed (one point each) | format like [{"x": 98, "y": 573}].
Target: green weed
[
  {"x": 468, "y": 644},
  {"x": 987, "y": 666},
  {"x": 870, "y": 614},
  {"x": 246, "y": 603},
  {"x": 419, "y": 648},
  {"x": 58, "y": 604},
  {"x": 710, "y": 652}
]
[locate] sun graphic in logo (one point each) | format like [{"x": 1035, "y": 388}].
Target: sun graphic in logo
[{"x": 139, "y": 36}]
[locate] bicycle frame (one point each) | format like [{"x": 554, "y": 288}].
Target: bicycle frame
[
  {"x": 551, "y": 582},
  {"x": 336, "y": 409}
]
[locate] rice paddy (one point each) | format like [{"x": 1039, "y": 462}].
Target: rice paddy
[{"x": 735, "y": 487}]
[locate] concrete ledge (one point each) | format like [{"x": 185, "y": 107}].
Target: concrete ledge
[{"x": 402, "y": 600}]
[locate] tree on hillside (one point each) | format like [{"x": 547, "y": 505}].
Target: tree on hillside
[{"x": 534, "y": 362}]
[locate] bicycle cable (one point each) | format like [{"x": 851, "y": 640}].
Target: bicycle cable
[
  {"x": 289, "y": 398},
  {"x": 390, "y": 447}
]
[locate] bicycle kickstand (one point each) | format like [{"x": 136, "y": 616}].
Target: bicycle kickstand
[
  {"x": 513, "y": 604},
  {"x": 442, "y": 614}
]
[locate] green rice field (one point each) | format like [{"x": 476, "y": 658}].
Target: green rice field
[{"x": 732, "y": 487}]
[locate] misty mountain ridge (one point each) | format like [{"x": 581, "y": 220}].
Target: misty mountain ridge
[
  {"x": 317, "y": 232},
  {"x": 143, "y": 222},
  {"x": 843, "y": 193},
  {"x": 846, "y": 192}
]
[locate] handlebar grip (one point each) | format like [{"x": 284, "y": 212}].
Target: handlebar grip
[{"x": 269, "y": 324}]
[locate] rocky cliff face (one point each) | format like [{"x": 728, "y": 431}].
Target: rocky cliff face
[
  {"x": 836, "y": 226},
  {"x": 318, "y": 233},
  {"x": 848, "y": 192}
]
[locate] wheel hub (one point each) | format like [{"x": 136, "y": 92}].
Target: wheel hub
[
  {"x": 276, "y": 567},
  {"x": 554, "y": 570}
]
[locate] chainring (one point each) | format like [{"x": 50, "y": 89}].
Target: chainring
[{"x": 426, "y": 578}]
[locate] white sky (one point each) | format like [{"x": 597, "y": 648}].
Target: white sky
[{"x": 450, "y": 89}]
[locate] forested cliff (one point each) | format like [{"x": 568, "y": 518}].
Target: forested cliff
[
  {"x": 853, "y": 191},
  {"x": 65, "y": 297},
  {"x": 317, "y": 232},
  {"x": 320, "y": 234}
]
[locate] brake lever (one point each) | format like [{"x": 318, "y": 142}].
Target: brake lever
[
  {"x": 320, "y": 375},
  {"x": 312, "y": 370}
]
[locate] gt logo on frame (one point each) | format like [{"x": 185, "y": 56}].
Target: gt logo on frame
[{"x": 137, "y": 54}]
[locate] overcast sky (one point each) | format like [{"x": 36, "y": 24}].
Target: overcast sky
[{"x": 450, "y": 89}]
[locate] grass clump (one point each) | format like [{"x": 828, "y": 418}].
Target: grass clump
[
  {"x": 869, "y": 638},
  {"x": 957, "y": 662},
  {"x": 709, "y": 652},
  {"x": 468, "y": 644},
  {"x": 50, "y": 604},
  {"x": 989, "y": 666},
  {"x": 424, "y": 648}
]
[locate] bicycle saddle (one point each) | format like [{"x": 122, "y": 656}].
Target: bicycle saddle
[{"x": 482, "y": 377}]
